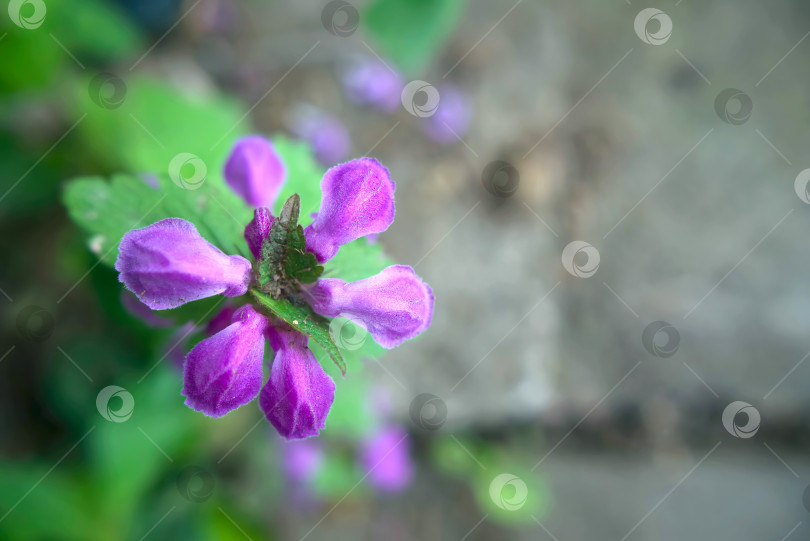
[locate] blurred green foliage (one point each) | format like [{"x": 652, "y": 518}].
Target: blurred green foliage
[{"x": 411, "y": 32}]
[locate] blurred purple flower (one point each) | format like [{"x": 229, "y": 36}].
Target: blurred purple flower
[
  {"x": 302, "y": 460},
  {"x": 452, "y": 118},
  {"x": 368, "y": 81},
  {"x": 168, "y": 264},
  {"x": 325, "y": 133},
  {"x": 386, "y": 459},
  {"x": 150, "y": 180}
]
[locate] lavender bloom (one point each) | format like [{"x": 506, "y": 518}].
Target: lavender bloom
[
  {"x": 325, "y": 133},
  {"x": 358, "y": 200},
  {"x": 387, "y": 460},
  {"x": 255, "y": 171},
  {"x": 452, "y": 118},
  {"x": 168, "y": 264},
  {"x": 297, "y": 398},
  {"x": 393, "y": 305},
  {"x": 224, "y": 371},
  {"x": 370, "y": 82},
  {"x": 302, "y": 460}
]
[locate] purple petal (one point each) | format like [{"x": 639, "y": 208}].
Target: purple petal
[
  {"x": 298, "y": 395},
  {"x": 394, "y": 305},
  {"x": 258, "y": 229},
  {"x": 255, "y": 171},
  {"x": 386, "y": 459},
  {"x": 358, "y": 200},
  {"x": 224, "y": 371},
  {"x": 168, "y": 264}
]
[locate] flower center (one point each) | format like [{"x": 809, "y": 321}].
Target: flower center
[{"x": 285, "y": 263}]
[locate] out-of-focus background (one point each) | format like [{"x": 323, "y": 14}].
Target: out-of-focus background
[{"x": 608, "y": 198}]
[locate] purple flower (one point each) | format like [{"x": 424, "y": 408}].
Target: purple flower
[
  {"x": 386, "y": 459},
  {"x": 393, "y": 305},
  {"x": 224, "y": 371},
  {"x": 370, "y": 82},
  {"x": 302, "y": 460},
  {"x": 297, "y": 398},
  {"x": 168, "y": 264},
  {"x": 358, "y": 200},
  {"x": 325, "y": 133},
  {"x": 452, "y": 118},
  {"x": 255, "y": 171}
]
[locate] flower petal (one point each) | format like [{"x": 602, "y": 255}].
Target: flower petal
[
  {"x": 358, "y": 200},
  {"x": 298, "y": 395},
  {"x": 258, "y": 229},
  {"x": 255, "y": 171},
  {"x": 393, "y": 305},
  {"x": 168, "y": 264},
  {"x": 224, "y": 371}
]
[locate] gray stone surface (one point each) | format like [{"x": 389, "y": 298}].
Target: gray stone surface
[{"x": 696, "y": 220}]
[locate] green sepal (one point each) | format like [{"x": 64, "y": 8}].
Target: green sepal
[
  {"x": 304, "y": 320},
  {"x": 284, "y": 253},
  {"x": 300, "y": 264}
]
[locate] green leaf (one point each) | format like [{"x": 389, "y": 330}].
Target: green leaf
[
  {"x": 126, "y": 463},
  {"x": 357, "y": 260},
  {"x": 301, "y": 265},
  {"x": 351, "y": 415},
  {"x": 57, "y": 509},
  {"x": 94, "y": 28},
  {"x": 304, "y": 320},
  {"x": 411, "y": 32},
  {"x": 154, "y": 123},
  {"x": 107, "y": 210}
]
